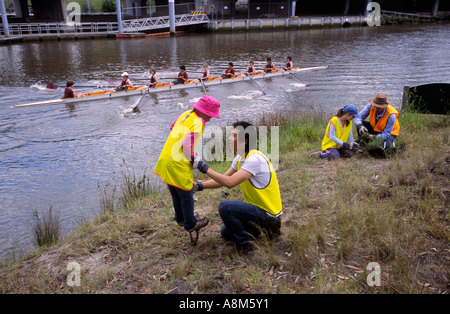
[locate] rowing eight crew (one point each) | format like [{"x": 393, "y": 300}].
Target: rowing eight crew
[{"x": 183, "y": 77}]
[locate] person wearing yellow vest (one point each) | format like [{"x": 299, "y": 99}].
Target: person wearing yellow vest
[
  {"x": 262, "y": 209},
  {"x": 175, "y": 164},
  {"x": 338, "y": 140},
  {"x": 383, "y": 120}
]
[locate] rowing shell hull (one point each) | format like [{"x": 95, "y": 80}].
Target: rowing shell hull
[{"x": 139, "y": 90}]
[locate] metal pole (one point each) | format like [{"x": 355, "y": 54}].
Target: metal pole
[
  {"x": 172, "y": 16},
  {"x": 119, "y": 16},
  {"x": 4, "y": 18}
]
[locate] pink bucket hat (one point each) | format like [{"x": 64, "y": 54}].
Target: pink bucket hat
[{"x": 209, "y": 106}]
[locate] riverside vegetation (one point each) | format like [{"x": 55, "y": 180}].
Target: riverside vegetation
[{"x": 339, "y": 216}]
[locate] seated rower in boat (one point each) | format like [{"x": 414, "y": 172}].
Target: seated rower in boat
[
  {"x": 289, "y": 65},
  {"x": 153, "y": 79},
  {"x": 68, "y": 92},
  {"x": 125, "y": 84},
  {"x": 269, "y": 66},
  {"x": 182, "y": 77},
  {"x": 251, "y": 70},
  {"x": 205, "y": 76},
  {"x": 229, "y": 72}
]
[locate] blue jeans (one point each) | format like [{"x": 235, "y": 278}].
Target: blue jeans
[
  {"x": 239, "y": 220},
  {"x": 183, "y": 204}
]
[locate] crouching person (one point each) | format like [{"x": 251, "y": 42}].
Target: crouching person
[
  {"x": 338, "y": 140},
  {"x": 383, "y": 120},
  {"x": 262, "y": 209}
]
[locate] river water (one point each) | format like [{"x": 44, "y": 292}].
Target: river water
[{"x": 57, "y": 156}]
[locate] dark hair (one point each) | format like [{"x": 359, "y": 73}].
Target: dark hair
[
  {"x": 268, "y": 59},
  {"x": 340, "y": 113},
  {"x": 69, "y": 83},
  {"x": 289, "y": 58},
  {"x": 248, "y": 129},
  {"x": 183, "y": 68},
  {"x": 231, "y": 63}
]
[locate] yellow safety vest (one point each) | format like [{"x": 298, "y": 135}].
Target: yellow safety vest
[
  {"x": 267, "y": 198},
  {"x": 341, "y": 133},
  {"x": 172, "y": 165}
]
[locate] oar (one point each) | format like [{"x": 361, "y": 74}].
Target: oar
[
  {"x": 290, "y": 72},
  {"x": 136, "y": 104},
  {"x": 203, "y": 86},
  {"x": 53, "y": 86},
  {"x": 260, "y": 89}
]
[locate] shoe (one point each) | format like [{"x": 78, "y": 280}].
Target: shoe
[
  {"x": 315, "y": 154},
  {"x": 248, "y": 246},
  {"x": 201, "y": 222}
]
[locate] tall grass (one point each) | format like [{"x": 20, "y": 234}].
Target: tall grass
[{"x": 46, "y": 228}]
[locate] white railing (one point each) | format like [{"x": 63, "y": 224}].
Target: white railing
[
  {"x": 163, "y": 22},
  {"x": 59, "y": 28}
]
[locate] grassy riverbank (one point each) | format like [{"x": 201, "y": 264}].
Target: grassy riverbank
[{"x": 339, "y": 216}]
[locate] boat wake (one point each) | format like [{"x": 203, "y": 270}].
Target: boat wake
[
  {"x": 295, "y": 86},
  {"x": 247, "y": 96},
  {"x": 128, "y": 112},
  {"x": 36, "y": 87}
]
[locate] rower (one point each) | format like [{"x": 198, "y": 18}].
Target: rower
[
  {"x": 123, "y": 86},
  {"x": 289, "y": 64},
  {"x": 251, "y": 68},
  {"x": 68, "y": 92},
  {"x": 182, "y": 77},
  {"x": 205, "y": 75},
  {"x": 229, "y": 72},
  {"x": 269, "y": 66},
  {"x": 153, "y": 79}
]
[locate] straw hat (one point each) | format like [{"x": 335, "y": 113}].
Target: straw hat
[
  {"x": 209, "y": 106},
  {"x": 380, "y": 101}
]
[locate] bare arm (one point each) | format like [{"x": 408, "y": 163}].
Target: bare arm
[{"x": 230, "y": 179}]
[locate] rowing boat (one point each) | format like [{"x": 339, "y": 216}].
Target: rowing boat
[{"x": 140, "y": 90}]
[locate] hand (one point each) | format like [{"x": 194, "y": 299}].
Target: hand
[
  {"x": 363, "y": 130},
  {"x": 197, "y": 163},
  {"x": 198, "y": 186},
  {"x": 354, "y": 146}
]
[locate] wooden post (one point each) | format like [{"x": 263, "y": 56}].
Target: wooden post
[{"x": 405, "y": 98}]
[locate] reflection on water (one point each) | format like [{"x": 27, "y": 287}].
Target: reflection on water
[{"x": 56, "y": 155}]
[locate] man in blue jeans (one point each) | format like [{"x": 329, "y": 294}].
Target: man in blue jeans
[{"x": 262, "y": 209}]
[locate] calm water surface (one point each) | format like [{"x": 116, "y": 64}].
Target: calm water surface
[{"x": 56, "y": 156}]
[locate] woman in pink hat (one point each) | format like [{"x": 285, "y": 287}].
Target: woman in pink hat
[{"x": 176, "y": 162}]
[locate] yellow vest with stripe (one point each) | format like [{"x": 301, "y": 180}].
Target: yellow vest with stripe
[
  {"x": 267, "y": 198},
  {"x": 172, "y": 165},
  {"x": 378, "y": 126},
  {"x": 342, "y": 133}
]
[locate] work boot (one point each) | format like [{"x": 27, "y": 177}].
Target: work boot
[
  {"x": 201, "y": 222},
  {"x": 314, "y": 154}
]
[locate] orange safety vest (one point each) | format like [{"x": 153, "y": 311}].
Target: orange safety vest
[{"x": 378, "y": 126}]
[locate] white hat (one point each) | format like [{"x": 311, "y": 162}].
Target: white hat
[{"x": 124, "y": 74}]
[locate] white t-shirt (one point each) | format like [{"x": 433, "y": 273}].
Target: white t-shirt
[{"x": 258, "y": 166}]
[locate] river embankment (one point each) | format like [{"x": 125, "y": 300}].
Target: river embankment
[{"x": 341, "y": 220}]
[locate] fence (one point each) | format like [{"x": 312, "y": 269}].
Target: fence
[{"x": 59, "y": 28}]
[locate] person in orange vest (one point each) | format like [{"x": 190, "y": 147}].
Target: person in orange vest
[
  {"x": 383, "y": 120},
  {"x": 338, "y": 139}
]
